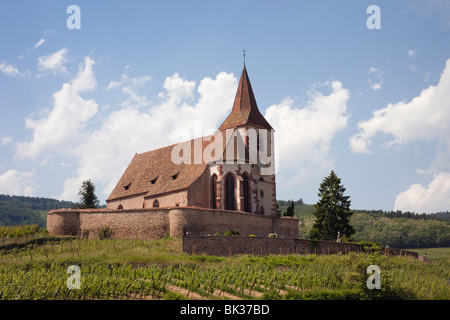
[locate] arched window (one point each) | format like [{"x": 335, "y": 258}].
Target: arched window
[
  {"x": 120, "y": 207},
  {"x": 229, "y": 192},
  {"x": 246, "y": 193},
  {"x": 213, "y": 189},
  {"x": 156, "y": 204}
]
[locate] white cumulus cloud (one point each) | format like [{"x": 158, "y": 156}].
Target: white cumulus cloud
[
  {"x": 15, "y": 182},
  {"x": 6, "y": 141},
  {"x": 54, "y": 62},
  {"x": 305, "y": 134},
  {"x": 38, "y": 44},
  {"x": 131, "y": 130},
  {"x": 425, "y": 117},
  {"x": 130, "y": 87},
  {"x": 9, "y": 69},
  {"x": 62, "y": 128},
  {"x": 434, "y": 198},
  {"x": 412, "y": 53},
  {"x": 375, "y": 79}
]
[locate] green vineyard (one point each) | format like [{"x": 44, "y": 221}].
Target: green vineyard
[{"x": 36, "y": 266}]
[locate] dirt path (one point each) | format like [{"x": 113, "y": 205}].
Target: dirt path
[{"x": 190, "y": 295}]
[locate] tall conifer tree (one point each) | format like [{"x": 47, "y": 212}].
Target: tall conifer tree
[
  {"x": 87, "y": 195},
  {"x": 332, "y": 211}
]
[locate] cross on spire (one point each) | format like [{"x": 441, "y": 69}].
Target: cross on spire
[
  {"x": 243, "y": 53},
  {"x": 245, "y": 110}
]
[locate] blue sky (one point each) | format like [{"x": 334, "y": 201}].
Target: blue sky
[{"x": 373, "y": 105}]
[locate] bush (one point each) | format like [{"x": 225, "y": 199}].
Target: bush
[
  {"x": 314, "y": 234},
  {"x": 370, "y": 246},
  {"x": 231, "y": 233},
  {"x": 105, "y": 233},
  {"x": 273, "y": 235}
]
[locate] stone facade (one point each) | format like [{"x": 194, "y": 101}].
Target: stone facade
[{"x": 161, "y": 222}]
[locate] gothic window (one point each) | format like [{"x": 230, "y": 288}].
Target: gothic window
[
  {"x": 156, "y": 204},
  {"x": 246, "y": 191},
  {"x": 213, "y": 189},
  {"x": 257, "y": 143},
  {"x": 261, "y": 211},
  {"x": 229, "y": 192},
  {"x": 120, "y": 207}
]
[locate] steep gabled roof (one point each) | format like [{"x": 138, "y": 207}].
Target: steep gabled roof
[
  {"x": 245, "y": 110},
  {"x": 154, "y": 172}
]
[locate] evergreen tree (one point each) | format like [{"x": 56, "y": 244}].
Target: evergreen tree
[
  {"x": 278, "y": 209},
  {"x": 87, "y": 195},
  {"x": 332, "y": 211},
  {"x": 290, "y": 209}
]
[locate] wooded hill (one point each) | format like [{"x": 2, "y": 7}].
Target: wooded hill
[
  {"x": 19, "y": 210},
  {"x": 394, "y": 228}
]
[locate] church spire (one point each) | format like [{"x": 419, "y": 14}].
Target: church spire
[{"x": 245, "y": 110}]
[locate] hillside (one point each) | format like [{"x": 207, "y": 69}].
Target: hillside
[
  {"x": 397, "y": 229},
  {"x": 19, "y": 210},
  {"x": 394, "y": 228}
]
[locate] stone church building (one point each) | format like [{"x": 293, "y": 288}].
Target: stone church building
[
  {"x": 232, "y": 169},
  {"x": 207, "y": 185}
]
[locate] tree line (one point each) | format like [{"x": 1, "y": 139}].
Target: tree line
[
  {"x": 21, "y": 210},
  {"x": 331, "y": 218}
]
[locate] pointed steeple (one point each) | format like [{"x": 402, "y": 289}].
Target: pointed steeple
[{"x": 245, "y": 110}]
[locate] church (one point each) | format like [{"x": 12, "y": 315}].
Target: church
[
  {"x": 204, "y": 186},
  {"x": 232, "y": 169}
]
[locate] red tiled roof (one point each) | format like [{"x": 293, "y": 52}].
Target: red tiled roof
[
  {"x": 245, "y": 110},
  {"x": 154, "y": 172}
]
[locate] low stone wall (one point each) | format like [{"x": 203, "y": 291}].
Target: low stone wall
[
  {"x": 399, "y": 252},
  {"x": 231, "y": 245},
  {"x": 261, "y": 246},
  {"x": 161, "y": 222}
]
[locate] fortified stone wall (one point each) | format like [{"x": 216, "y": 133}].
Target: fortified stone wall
[
  {"x": 261, "y": 246},
  {"x": 160, "y": 222}
]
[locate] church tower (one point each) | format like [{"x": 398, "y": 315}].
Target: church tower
[{"x": 248, "y": 184}]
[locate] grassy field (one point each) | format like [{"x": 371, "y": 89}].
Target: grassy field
[
  {"x": 434, "y": 253},
  {"x": 133, "y": 269}
]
